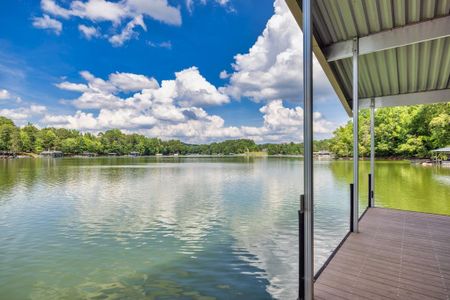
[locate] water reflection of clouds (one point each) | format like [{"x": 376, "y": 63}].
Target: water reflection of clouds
[
  {"x": 158, "y": 203},
  {"x": 269, "y": 232},
  {"x": 150, "y": 208},
  {"x": 184, "y": 203}
]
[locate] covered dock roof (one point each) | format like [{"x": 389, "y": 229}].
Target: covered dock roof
[
  {"x": 375, "y": 53},
  {"x": 404, "y": 49},
  {"x": 445, "y": 150}
]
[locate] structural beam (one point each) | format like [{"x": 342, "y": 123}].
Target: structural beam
[
  {"x": 308, "y": 279},
  {"x": 428, "y": 97},
  {"x": 355, "y": 137},
  {"x": 394, "y": 38}
]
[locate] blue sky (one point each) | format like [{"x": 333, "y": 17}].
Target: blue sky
[{"x": 196, "y": 70}]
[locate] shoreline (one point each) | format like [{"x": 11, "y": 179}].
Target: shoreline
[
  {"x": 21, "y": 156},
  {"x": 33, "y": 155}
]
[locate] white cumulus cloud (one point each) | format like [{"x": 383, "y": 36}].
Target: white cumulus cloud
[
  {"x": 99, "y": 10},
  {"x": 272, "y": 68},
  {"x": 193, "y": 89},
  {"x": 173, "y": 110},
  {"x": 117, "y": 82},
  {"x": 132, "y": 82},
  {"x": 157, "y": 9},
  {"x": 128, "y": 32},
  {"x": 46, "y": 22},
  {"x": 132, "y": 13},
  {"x": 189, "y": 88},
  {"x": 23, "y": 114},
  {"x": 88, "y": 32},
  {"x": 116, "y": 12},
  {"x": 190, "y": 3},
  {"x": 270, "y": 72},
  {"x": 75, "y": 87}
]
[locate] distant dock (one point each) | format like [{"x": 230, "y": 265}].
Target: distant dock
[
  {"x": 52, "y": 154},
  {"x": 7, "y": 154}
]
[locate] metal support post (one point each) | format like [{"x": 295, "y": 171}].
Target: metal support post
[
  {"x": 308, "y": 149},
  {"x": 355, "y": 137}
]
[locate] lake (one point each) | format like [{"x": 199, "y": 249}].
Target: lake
[{"x": 180, "y": 228}]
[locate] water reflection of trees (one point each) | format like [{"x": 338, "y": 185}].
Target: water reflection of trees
[
  {"x": 343, "y": 172},
  {"x": 412, "y": 187},
  {"x": 18, "y": 174},
  {"x": 400, "y": 184}
]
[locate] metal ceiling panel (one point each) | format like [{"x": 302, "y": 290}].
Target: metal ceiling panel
[{"x": 414, "y": 68}]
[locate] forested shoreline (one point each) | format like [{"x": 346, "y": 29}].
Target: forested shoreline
[
  {"x": 400, "y": 132},
  {"x": 30, "y": 139},
  {"x": 404, "y": 132}
]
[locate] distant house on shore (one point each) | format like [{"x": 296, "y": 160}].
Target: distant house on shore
[
  {"x": 445, "y": 150},
  {"x": 7, "y": 154},
  {"x": 134, "y": 154},
  {"x": 52, "y": 153},
  {"x": 323, "y": 154},
  {"x": 88, "y": 154},
  {"x": 441, "y": 156}
]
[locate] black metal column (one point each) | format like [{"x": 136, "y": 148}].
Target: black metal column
[
  {"x": 301, "y": 249},
  {"x": 352, "y": 208}
]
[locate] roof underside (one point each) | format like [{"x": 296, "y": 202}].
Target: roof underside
[
  {"x": 402, "y": 69},
  {"x": 446, "y": 149}
]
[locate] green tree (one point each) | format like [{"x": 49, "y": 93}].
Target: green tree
[
  {"x": 91, "y": 143},
  {"x": 9, "y": 136},
  {"x": 70, "y": 146},
  {"x": 28, "y": 136},
  {"x": 47, "y": 140},
  {"x": 113, "y": 141},
  {"x": 440, "y": 130},
  {"x": 411, "y": 131}
]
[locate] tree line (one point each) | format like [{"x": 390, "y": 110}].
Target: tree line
[
  {"x": 409, "y": 131},
  {"x": 30, "y": 139},
  {"x": 399, "y": 132}
]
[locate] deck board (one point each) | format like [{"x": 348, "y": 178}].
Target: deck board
[{"x": 396, "y": 255}]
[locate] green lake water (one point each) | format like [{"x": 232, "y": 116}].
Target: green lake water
[{"x": 180, "y": 228}]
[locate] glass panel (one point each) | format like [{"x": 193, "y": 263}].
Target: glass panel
[{"x": 332, "y": 206}]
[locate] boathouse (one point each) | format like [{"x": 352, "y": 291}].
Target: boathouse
[
  {"x": 442, "y": 156},
  {"x": 52, "y": 153}
]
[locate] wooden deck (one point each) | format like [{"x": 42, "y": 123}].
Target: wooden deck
[{"x": 396, "y": 255}]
